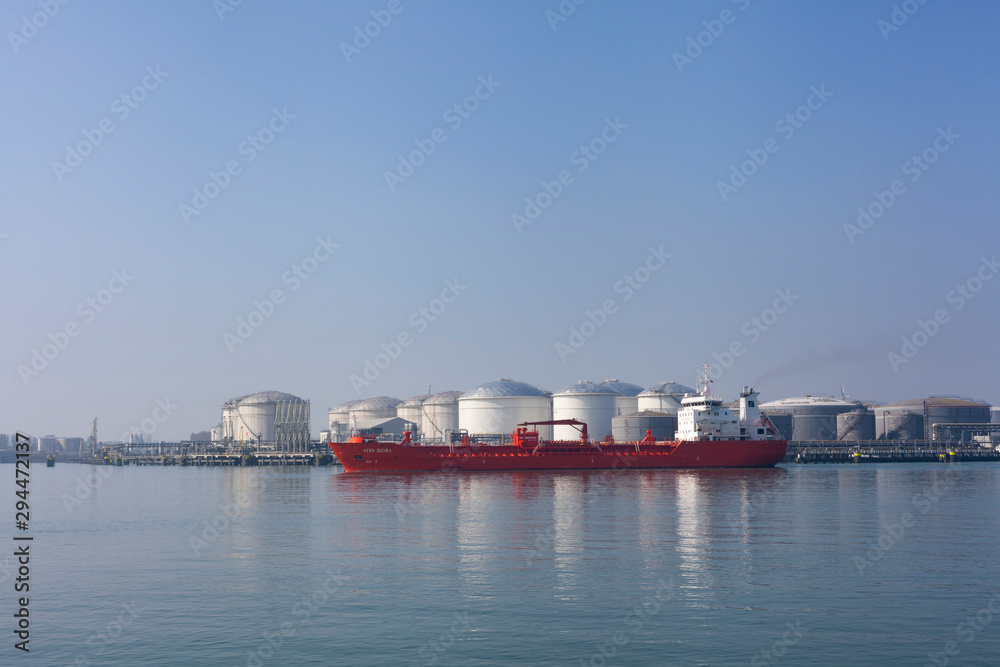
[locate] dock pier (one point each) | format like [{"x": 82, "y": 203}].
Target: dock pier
[{"x": 880, "y": 451}]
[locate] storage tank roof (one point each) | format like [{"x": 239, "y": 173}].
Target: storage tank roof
[
  {"x": 669, "y": 387},
  {"x": 377, "y": 403},
  {"x": 414, "y": 401},
  {"x": 586, "y": 387},
  {"x": 443, "y": 398},
  {"x": 505, "y": 388},
  {"x": 807, "y": 401},
  {"x": 937, "y": 402},
  {"x": 266, "y": 397},
  {"x": 623, "y": 388}
]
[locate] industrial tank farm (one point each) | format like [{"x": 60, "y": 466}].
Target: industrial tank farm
[{"x": 611, "y": 409}]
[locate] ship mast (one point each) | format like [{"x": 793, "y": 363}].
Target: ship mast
[{"x": 704, "y": 381}]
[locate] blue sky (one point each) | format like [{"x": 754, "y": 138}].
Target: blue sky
[{"x": 334, "y": 128}]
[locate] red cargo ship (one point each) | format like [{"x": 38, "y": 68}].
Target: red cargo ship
[{"x": 709, "y": 435}]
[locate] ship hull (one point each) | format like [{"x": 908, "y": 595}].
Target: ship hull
[{"x": 392, "y": 457}]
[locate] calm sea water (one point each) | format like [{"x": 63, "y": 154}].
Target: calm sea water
[{"x": 799, "y": 565}]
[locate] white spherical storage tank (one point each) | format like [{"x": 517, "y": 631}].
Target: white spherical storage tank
[
  {"x": 628, "y": 396},
  {"x": 664, "y": 397},
  {"x": 439, "y": 415},
  {"x": 593, "y": 404},
  {"x": 499, "y": 406}
]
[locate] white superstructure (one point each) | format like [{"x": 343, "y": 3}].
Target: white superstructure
[{"x": 703, "y": 417}]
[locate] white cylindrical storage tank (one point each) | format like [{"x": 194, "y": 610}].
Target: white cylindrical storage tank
[
  {"x": 439, "y": 415},
  {"x": 339, "y": 418},
  {"x": 379, "y": 407},
  {"x": 411, "y": 409},
  {"x": 903, "y": 420},
  {"x": 665, "y": 397},
  {"x": 593, "y": 404},
  {"x": 856, "y": 425},
  {"x": 949, "y": 410},
  {"x": 499, "y": 406},
  {"x": 627, "y": 402},
  {"x": 256, "y": 418},
  {"x": 217, "y": 433},
  {"x": 632, "y": 428}
]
